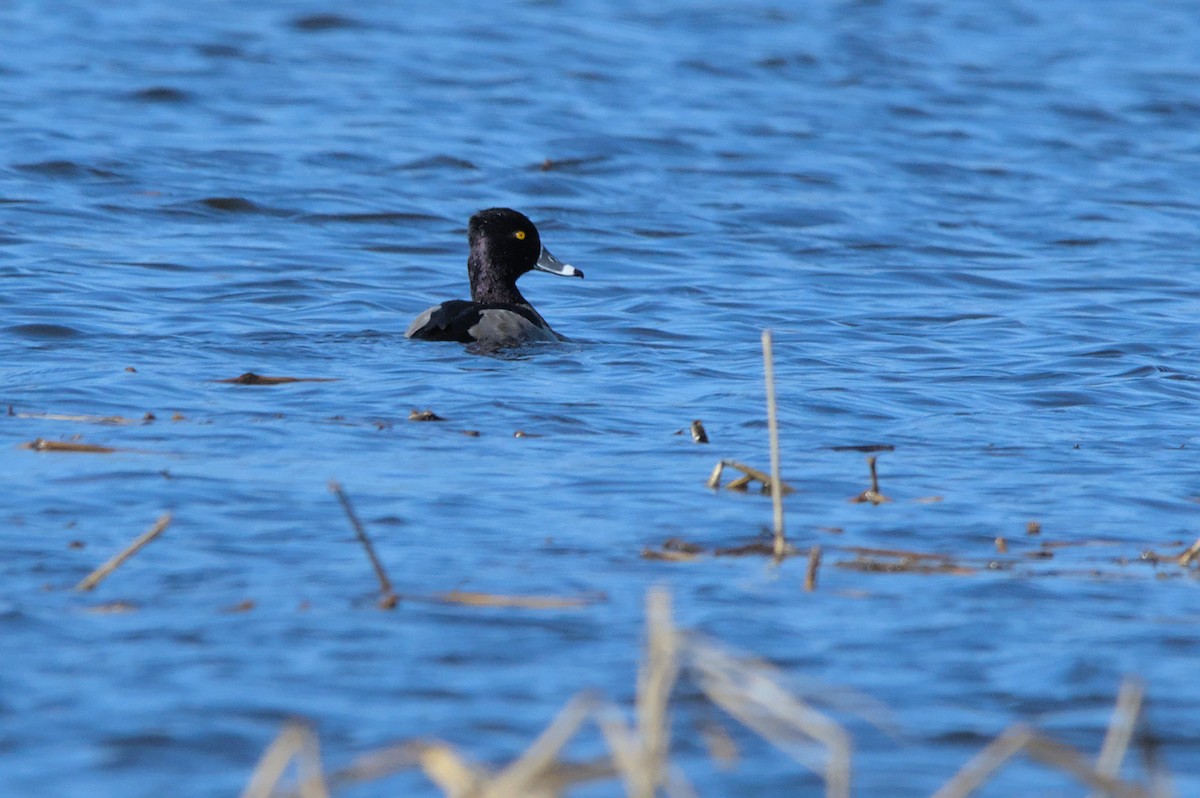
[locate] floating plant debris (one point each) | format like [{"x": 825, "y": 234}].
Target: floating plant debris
[
  {"x": 112, "y": 420},
  {"x": 113, "y": 608},
  {"x": 903, "y": 561},
  {"x": 679, "y": 544},
  {"x": 527, "y": 602},
  {"x": 668, "y": 555},
  {"x": 43, "y": 445},
  {"x": 250, "y": 378},
  {"x": 748, "y": 549},
  {"x": 741, "y": 483}
]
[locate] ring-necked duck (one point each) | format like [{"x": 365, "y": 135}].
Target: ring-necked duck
[{"x": 504, "y": 245}]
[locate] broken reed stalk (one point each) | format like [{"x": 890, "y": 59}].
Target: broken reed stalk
[
  {"x": 296, "y": 741},
  {"x": 773, "y": 431},
  {"x": 97, "y": 576},
  {"x": 389, "y": 599},
  {"x": 1121, "y": 728}
]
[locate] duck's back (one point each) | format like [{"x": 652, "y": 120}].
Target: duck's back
[{"x": 479, "y": 322}]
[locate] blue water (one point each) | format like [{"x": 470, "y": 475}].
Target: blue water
[{"x": 972, "y": 227}]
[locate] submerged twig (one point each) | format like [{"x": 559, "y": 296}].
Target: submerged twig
[
  {"x": 98, "y": 575},
  {"x": 773, "y": 432},
  {"x": 389, "y": 599}
]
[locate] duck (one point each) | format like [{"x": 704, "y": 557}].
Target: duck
[{"x": 504, "y": 244}]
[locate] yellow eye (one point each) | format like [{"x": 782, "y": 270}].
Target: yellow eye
[{"x": 520, "y": 234}]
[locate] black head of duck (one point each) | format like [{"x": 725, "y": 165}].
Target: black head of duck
[{"x": 505, "y": 244}]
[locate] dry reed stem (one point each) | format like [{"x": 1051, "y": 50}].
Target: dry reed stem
[
  {"x": 714, "y": 479},
  {"x": 1188, "y": 556},
  {"x": 294, "y": 742},
  {"x": 640, "y": 754},
  {"x": 452, "y": 774},
  {"x": 1067, "y": 759},
  {"x": 522, "y": 777},
  {"x": 750, "y": 474},
  {"x": 773, "y": 431},
  {"x": 1121, "y": 728},
  {"x": 535, "y": 774},
  {"x": 625, "y": 750},
  {"x": 388, "y": 599},
  {"x": 742, "y": 483},
  {"x": 379, "y": 764},
  {"x": 810, "y": 574},
  {"x": 656, "y": 679},
  {"x": 980, "y": 767},
  {"x": 748, "y": 691},
  {"x": 1019, "y": 738},
  {"x": 97, "y": 576}
]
